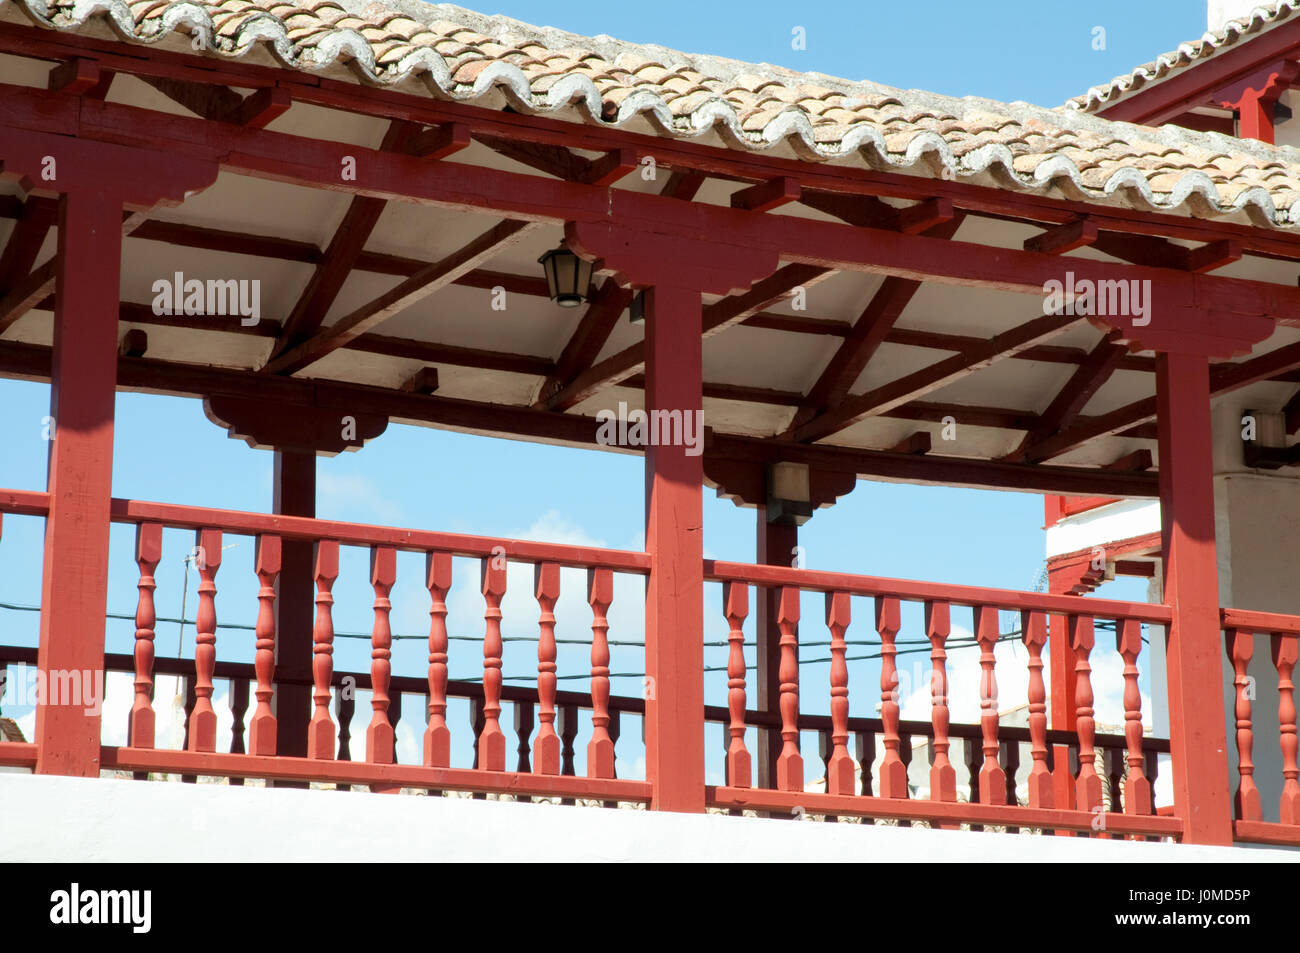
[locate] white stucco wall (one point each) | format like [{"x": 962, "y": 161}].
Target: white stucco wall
[{"x": 99, "y": 819}]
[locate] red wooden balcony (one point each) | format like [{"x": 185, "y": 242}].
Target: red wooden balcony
[{"x": 1081, "y": 780}]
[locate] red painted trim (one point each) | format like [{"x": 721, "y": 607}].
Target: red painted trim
[
  {"x": 362, "y": 772},
  {"x": 858, "y": 806},
  {"x": 18, "y": 754},
  {"x": 1259, "y": 622},
  {"x": 1267, "y": 832},
  {"x": 1074, "y": 505}
]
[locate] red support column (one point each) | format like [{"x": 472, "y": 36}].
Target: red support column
[
  {"x": 83, "y": 384},
  {"x": 1198, "y": 736},
  {"x": 776, "y": 547},
  {"x": 295, "y": 606},
  {"x": 674, "y": 651}
]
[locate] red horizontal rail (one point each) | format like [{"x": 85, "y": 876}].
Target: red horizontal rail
[
  {"x": 1267, "y": 832},
  {"x": 1249, "y": 620},
  {"x": 905, "y": 808},
  {"x": 18, "y": 754},
  {"x": 25, "y": 502},
  {"x": 358, "y": 534},
  {"x": 361, "y": 772},
  {"x": 922, "y": 591}
]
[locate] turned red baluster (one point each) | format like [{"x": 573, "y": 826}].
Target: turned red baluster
[
  {"x": 600, "y": 751},
  {"x": 320, "y": 733},
  {"x": 437, "y": 736},
  {"x": 262, "y": 727},
  {"x": 735, "y": 605},
  {"x": 839, "y": 769},
  {"x": 492, "y": 740},
  {"x": 203, "y": 720},
  {"x": 993, "y": 779},
  {"x": 943, "y": 776},
  {"x": 1241, "y": 647},
  {"x": 789, "y": 764},
  {"x": 148, "y": 551},
  {"x": 546, "y": 749},
  {"x": 893, "y": 773},
  {"x": 1284, "y": 660},
  {"x": 379, "y": 733},
  {"x": 1087, "y": 787},
  {"x": 1137, "y": 789},
  {"x": 1033, "y": 626}
]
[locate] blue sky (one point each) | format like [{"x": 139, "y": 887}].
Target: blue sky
[{"x": 166, "y": 450}]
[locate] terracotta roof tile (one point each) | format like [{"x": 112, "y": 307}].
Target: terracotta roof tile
[{"x": 607, "y": 81}]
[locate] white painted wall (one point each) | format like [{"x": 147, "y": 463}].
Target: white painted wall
[{"x": 100, "y": 819}]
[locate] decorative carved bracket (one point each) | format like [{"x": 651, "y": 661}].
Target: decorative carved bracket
[{"x": 322, "y": 430}]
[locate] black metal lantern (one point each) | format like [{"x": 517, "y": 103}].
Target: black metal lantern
[{"x": 567, "y": 276}]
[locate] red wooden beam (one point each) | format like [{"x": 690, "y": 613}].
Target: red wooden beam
[
  {"x": 262, "y": 107},
  {"x": 1137, "y": 460},
  {"x": 423, "y": 381},
  {"x": 931, "y": 378},
  {"x": 26, "y": 293},
  {"x": 916, "y": 443},
  {"x": 35, "y": 219},
  {"x": 74, "y": 77},
  {"x": 922, "y": 217},
  {"x": 610, "y": 167},
  {"x": 1064, "y": 238},
  {"x": 767, "y": 195},
  {"x": 1214, "y": 255},
  {"x": 441, "y": 141},
  {"x": 1070, "y": 400},
  {"x": 417, "y": 287}
]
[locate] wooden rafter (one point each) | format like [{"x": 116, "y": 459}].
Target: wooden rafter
[
  {"x": 1069, "y": 402},
  {"x": 603, "y": 311},
  {"x": 928, "y": 379},
  {"x": 30, "y": 231},
  {"x": 413, "y": 289},
  {"x": 869, "y": 332},
  {"x": 340, "y": 256}
]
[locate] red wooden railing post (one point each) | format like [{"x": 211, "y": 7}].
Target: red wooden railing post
[
  {"x": 262, "y": 728},
  {"x": 1198, "y": 733},
  {"x": 320, "y": 735},
  {"x": 735, "y": 605},
  {"x": 437, "y": 736},
  {"x": 789, "y": 765},
  {"x": 546, "y": 748},
  {"x": 600, "y": 750},
  {"x": 1284, "y": 660},
  {"x": 1137, "y": 789},
  {"x": 148, "y": 551},
  {"x": 203, "y": 719},
  {"x": 380, "y": 742},
  {"x": 83, "y": 380},
  {"x": 1033, "y": 626},
  {"x": 893, "y": 773},
  {"x": 839, "y": 770},
  {"x": 1240, "y": 646},
  {"x": 1087, "y": 787},
  {"x": 943, "y": 776},
  {"x": 492, "y": 740},
  {"x": 993, "y": 780}
]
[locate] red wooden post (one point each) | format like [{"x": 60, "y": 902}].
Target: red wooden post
[
  {"x": 546, "y": 749},
  {"x": 600, "y": 750},
  {"x": 839, "y": 770},
  {"x": 379, "y": 733},
  {"x": 296, "y": 648},
  {"x": 261, "y": 730},
  {"x": 83, "y": 380},
  {"x": 789, "y": 766},
  {"x": 674, "y": 652},
  {"x": 893, "y": 773},
  {"x": 437, "y": 736},
  {"x": 1087, "y": 786},
  {"x": 776, "y": 546},
  {"x": 148, "y": 550},
  {"x": 1284, "y": 660},
  {"x": 320, "y": 736},
  {"x": 492, "y": 740},
  {"x": 943, "y": 776},
  {"x": 993, "y": 780},
  {"x": 1033, "y": 626},
  {"x": 203, "y": 720},
  {"x": 735, "y": 605},
  {"x": 1198, "y": 734},
  {"x": 1241, "y": 646}
]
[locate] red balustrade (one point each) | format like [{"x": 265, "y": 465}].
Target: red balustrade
[
  {"x": 839, "y": 767},
  {"x": 437, "y": 736},
  {"x": 893, "y": 773},
  {"x": 1284, "y": 659},
  {"x": 1087, "y": 786},
  {"x": 262, "y": 729},
  {"x": 320, "y": 733},
  {"x": 148, "y": 551},
  {"x": 203, "y": 719},
  {"x": 943, "y": 776},
  {"x": 789, "y": 763},
  {"x": 600, "y": 752},
  {"x": 546, "y": 749},
  {"x": 735, "y": 599},
  {"x": 1033, "y": 626}
]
